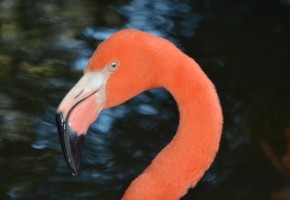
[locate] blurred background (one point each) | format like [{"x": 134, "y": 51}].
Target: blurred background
[{"x": 243, "y": 46}]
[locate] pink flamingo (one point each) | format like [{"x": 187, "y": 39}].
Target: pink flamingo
[{"x": 124, "y": 65}]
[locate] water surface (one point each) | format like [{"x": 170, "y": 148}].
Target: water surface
[{"x": 243, "y": 46}]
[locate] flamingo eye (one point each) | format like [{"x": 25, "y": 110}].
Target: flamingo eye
[{"x": 113, "y": 66}]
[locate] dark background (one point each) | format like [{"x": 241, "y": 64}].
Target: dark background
[{"x": 243, "y": 46}]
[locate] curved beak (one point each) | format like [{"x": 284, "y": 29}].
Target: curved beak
[{"x": 77, "y": 111}]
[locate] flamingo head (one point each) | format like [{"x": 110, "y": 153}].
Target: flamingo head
[{"x": 117, "y": 71}]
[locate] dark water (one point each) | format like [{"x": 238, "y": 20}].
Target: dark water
[{"x": 243, "y": 46}]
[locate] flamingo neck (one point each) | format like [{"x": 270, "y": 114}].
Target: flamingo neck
[{"x": 182, "y": 163}]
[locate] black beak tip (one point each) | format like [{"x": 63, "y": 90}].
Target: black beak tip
[
  {"x": 60, "y": 123},
  {"x": 71, "y": 143}
]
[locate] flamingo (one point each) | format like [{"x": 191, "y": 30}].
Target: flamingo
[{"x": 124, "y": 65}]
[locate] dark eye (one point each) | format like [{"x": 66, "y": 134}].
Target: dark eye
[{"x": 113, "y": 66}]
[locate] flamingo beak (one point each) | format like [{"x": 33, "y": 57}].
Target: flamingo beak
[
  {"x": 71, "y": 144},
  {"x": 77, "y": 111}
]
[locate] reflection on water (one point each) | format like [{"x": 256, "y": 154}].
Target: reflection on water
[
  {"x": 162, "y": 17},
  {"x": 243, "y": 46}
]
